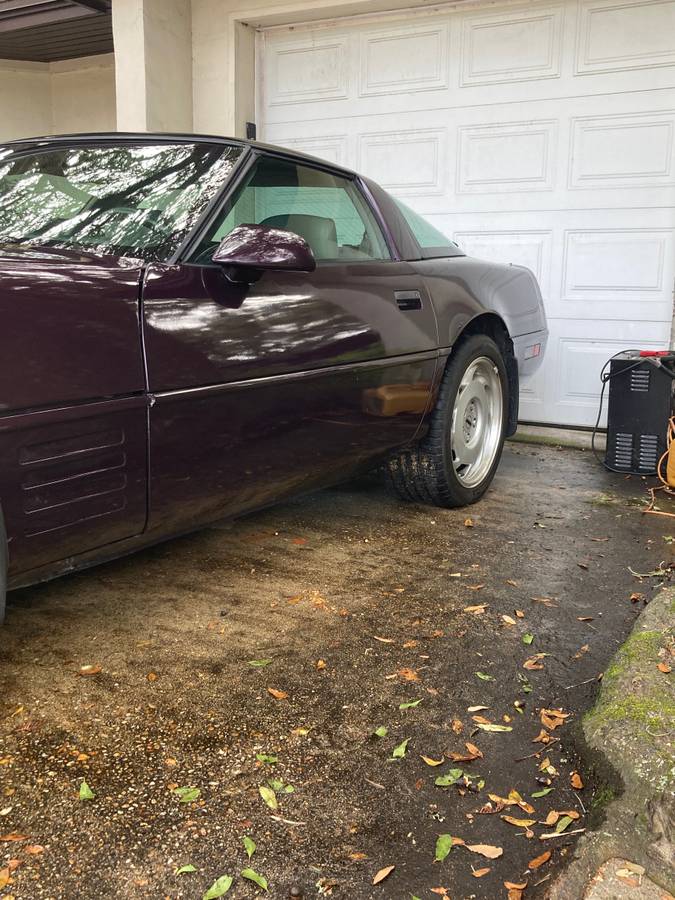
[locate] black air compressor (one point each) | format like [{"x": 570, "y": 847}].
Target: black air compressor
[{"x": 639, "y": 407}]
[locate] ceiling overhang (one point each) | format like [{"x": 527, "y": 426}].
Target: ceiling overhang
[{"x": 51, "y": 30}]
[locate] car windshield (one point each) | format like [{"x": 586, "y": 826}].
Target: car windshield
[{"x": 137, "y": 200}]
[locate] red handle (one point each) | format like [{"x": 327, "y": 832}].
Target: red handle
[{"x": 656, "y": 353}]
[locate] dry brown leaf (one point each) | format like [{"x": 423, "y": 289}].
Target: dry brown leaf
[
  {"x": 384, "y": 640},
  {"x": 478, "y": 873},
  {"x": 358, "y": 856},
  {"x": 409, "y": 645},
  {"x": 542, "y": 738},
  {"x": 481, "y": 720},
  {"x": 468, "y": 523},
  {"x": 12, "y": 836},
  {"x": 475, "y": 587},
  {"x": 485, "y": 850},
  {"x": 635, "y": 597},
  {"x": 511, "y": 582},
  {"x": 477, "y": 610},
  {"x": 552, "y": 818},
  {"x": 519, "y": 613},
  {"x": 433, "y": 762},
  {"x": 152, "y": 676},
  {"x": 534, "y": 662},
  {"x": 439, "y": 890},
  {"x": 473, "y": 709},
  {"x": 508, "y": 620},
  {"x": 321, "y": 664},
  {"x": 383, "y": 873},
  {"x": 552, "y": 718},
  {"x": 513, "y": 886},
  {"x": 88, "y": 671},
  {"x": 408, "y": 674},
  {"x": 664, "y": 667},
  {"x": 277, "y": 694},
  {"x": 519, "y": 823},
  {"x": 34, "y": 849},
  {"x": 581, "y": 651},
  {"x": 457, "y": 726},
  {"x": 539, "y": 860},
  {"x": 576, "y": 781}
]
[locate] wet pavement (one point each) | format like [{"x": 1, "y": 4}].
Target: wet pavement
[{"x": 266, "y": 653}]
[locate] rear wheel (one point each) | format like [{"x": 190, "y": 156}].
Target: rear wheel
[{"x": 457, "y": 460}]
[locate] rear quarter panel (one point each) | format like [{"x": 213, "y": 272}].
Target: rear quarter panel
[{"x": 462, "y": 288}]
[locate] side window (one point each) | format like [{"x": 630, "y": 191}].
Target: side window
[
  {"x": 432, "y": 242},
  {"x": 327, "y": 210}
]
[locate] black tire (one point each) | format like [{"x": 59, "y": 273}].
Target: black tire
[{"x": 427, "y": 473}]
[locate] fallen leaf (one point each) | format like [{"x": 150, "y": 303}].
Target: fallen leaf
[
  {"x": 443, "y": 847},
  {"x": 383, "y": 873},
  {"x": 86, "y": 792},
  {"x": 552, "y": 718},
  {"x": 472, "y": 709},
  {"x": 585, "y": 618},
  {"x": 34, "y": 849},
  {"x": 542, "y": 738},
  {"x": 484, "y": 677},
  {"x": 563, "y": 823},
  {"x": 511, "y": 582},
  {"x": 277, "y": 694},
  {"x": 408, "y": 674},
  {"x": 472, "y": 753},
  {"x": 384, "y": 640},
  {"x": 152, "y": 676},
  {"x": 509, "y": 621},
  {"x": 539, "y": 860},
  {"x": 219, "y": 888},
  {"x": 400, "y": 751},
  {"x": 477, "y": 610},
  {"x": 253, "y": 876},
  {"x": 320, "y": 664},
  {"x": 468, "y": 523},
  {"x": 433, "y": 762},
  {"x": 87, "y": 671},
  {"x": 410, "y": 705},
  {"x": 249, "y": 846},
  {"x": 478, "y": 873},
  {"x": 582, "y": 565},
  {"x": 512, "y": 886},
  {"x": 187, "y": 794},
  {"x": 381, "y": 732},
  {"x": 534, "y": 661},
  {"x": 664, "y": 667},
  {"x": 485, "y": 850},
  {"x": 576, "y": 781},
  {"x": 528, "y": 638},
  {"x": 269, "y": 796},
  {"x": 581, "y": 651},
  {"x": 491, "y": 727},
  {"x": 457, "y": 726},
  {"x": 185, "y": 870},
  {"x": 519, "y": 823},
  {"x": 13, "y": 836},
  {"x": 259, "y": 663}
]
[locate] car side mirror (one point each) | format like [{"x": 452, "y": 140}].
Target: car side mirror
[{"x": 249, "y": 250}]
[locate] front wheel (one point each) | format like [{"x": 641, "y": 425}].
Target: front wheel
[{"x": 456, "y": 462}]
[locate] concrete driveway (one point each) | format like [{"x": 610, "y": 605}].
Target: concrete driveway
[{"x": 266, "y": 654}]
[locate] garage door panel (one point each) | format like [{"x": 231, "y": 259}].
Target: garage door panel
[{"x": 538, "y": 133}]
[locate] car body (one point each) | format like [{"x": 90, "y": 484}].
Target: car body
[{"x": 196, "y": 327}]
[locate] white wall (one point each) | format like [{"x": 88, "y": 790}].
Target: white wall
[
  {"x": 83, "y": 95},
  {"x": 25, "y": 100},
  {"x": 57, "y": 98}
]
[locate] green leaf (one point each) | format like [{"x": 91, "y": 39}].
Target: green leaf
[
  {"x": 449, "y": 778},
  {"x": 381, "y": 732},
  {"x": 563, "y": 823},
  {"x": 484, "y": 677},
  {"x": 86, "y": 792},
  {"x": 491, "y": 727},
  {"x": 219, "y": 888},
  {"x": 669, "y": 539},
  {"x": 253, "y": 876},
  {"x": 268, "y": 796},
  {"x": 259, "y": 663},
  {"x": 187, "y": 794},
  {"x": 528, "y": 638},
  {"x": 267, "y": 758},
  {"x": 527, "y": 687},
  {"x": 184, "y": 870},
  {"x": 443, "y": 847},
  {"x": 411, "y": 705},
  {"x": 542, "y": 793},
  {"x": 249, "y": 846},
  {"x": 400, "y": 751}
]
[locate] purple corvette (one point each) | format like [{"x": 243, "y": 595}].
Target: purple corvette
[{"x": 195, "y": 327}]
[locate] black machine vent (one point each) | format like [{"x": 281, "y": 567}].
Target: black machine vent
[
  {"x": 640, "y": 401},
  {"x": 639, "y": 380}
]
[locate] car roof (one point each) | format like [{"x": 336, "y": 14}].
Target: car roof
[{"x": 123, "y": 137}]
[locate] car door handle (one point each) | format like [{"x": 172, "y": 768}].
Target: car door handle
[{"x": 408, "y": 299}]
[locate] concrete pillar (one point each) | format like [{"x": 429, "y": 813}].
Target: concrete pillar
[{"x": 153, "y": 64}]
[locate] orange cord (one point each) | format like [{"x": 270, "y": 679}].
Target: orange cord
[{"x": 668, "y": 484}]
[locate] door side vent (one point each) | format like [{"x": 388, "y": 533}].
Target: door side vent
[{"x": 639, "y": 380}]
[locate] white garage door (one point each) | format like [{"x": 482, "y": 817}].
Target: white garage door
[{"x": 535, "y": 133}]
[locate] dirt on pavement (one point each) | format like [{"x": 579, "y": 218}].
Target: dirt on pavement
[{"x": 266, "y": 653}]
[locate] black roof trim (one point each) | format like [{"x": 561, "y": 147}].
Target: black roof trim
[{"x": 167, "y": 137}]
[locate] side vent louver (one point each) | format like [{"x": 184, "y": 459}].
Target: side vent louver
[
  {"x": 639, "y": 380},
  {"x": 648, "y": 452}
]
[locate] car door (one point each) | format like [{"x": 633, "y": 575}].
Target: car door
[
  {"x": 73, "y": 408},
  {"x": 265, "y": 390}
]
